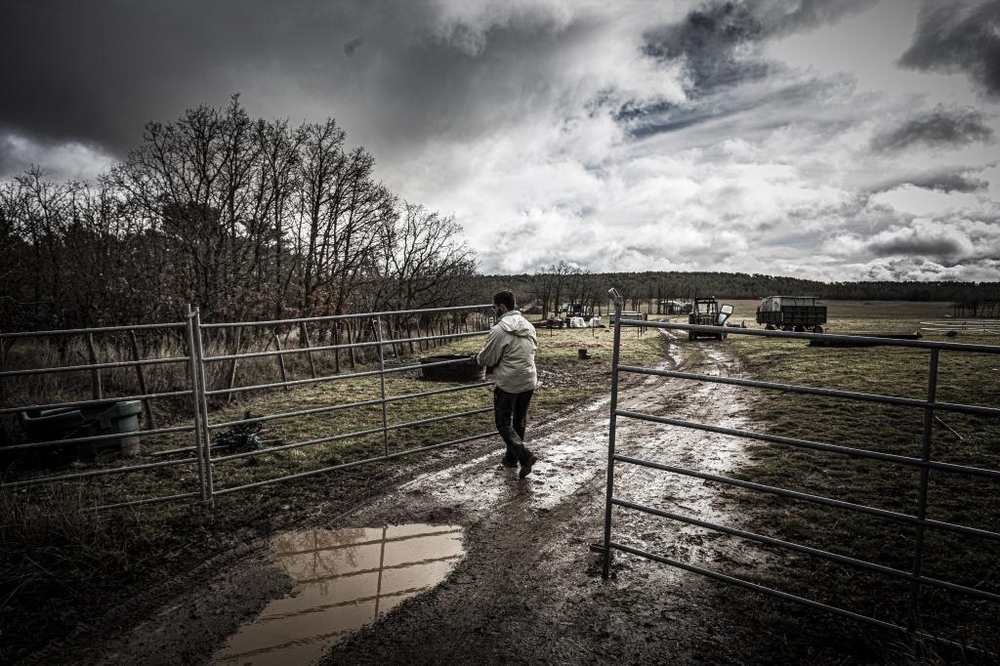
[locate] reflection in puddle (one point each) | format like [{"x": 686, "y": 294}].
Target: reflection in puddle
[{"x": 343, "y": 580}]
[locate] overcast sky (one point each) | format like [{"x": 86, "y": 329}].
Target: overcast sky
[{"x": 823, "y": 139}]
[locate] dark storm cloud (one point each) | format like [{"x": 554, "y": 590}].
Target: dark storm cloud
[
  {"x": 707, "y": 40},
  {"x": 97, "y": 72},
  {"x": 666, "y": 120},
  {"x": 939, "y": 247},
  {"x": 353, "y": 46},
  {"x": 958, "y": 37},
  {"x": 713, "y": 41},
  {"x": 938, "y": 128},
  {"x": 718, "y": 46},
  {"x": 11, "y": 159},
  {"x": 768, "y": 106},
  {"x": 100, "y": 70},
  {"x": 948, "y": 183},
  {"x": 945, "y": 241},
  {"x": 943, "y": 180}
]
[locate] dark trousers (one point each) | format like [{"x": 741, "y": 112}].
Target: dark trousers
[{"x": 511, "y": 413}]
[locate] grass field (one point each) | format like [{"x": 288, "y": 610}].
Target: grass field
[
  {"x": 54, "y": 548},
  {"x": 335, "y": 417},
  {"x": 953, "y": 498}
]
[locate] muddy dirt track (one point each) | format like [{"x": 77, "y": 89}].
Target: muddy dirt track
[{"x": 529, "y": 587}]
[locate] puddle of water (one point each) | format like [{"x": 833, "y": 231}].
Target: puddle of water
[{"x": 343, "y": 581}]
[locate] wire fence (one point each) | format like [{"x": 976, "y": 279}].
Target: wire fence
[{"x": 963, "y": 326}]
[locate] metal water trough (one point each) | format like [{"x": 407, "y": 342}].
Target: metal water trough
[{"x": 451, "y": 368}]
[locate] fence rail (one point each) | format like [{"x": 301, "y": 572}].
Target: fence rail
[
  {"x": 45, "y": 411},
  {"x": 923, "y": 464}
]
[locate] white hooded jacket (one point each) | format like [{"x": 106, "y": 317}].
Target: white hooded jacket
[{"x": 510, "y": 351}]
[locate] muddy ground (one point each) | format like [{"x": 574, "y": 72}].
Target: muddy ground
[{"x": 529, "y": 588}]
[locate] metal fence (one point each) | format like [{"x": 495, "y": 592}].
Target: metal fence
[
  {"x": 90, "y": 441},
  {"x": 927, "y": 416}
]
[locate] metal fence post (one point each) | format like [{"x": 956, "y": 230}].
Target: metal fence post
[
  {"x": 196, "y": 400},
  {"x": 925, "y": 457},
  {"x": 381, "y": 376},
  {"x": 202, "y": 391},
  {"x": 616, "y": 297}
]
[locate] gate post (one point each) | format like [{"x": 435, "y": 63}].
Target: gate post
[
  {"x": 381, "y": 376},
  {"x": 196, "y": 399},
  {"x": 617, "y": 298},
  {"x": 205, "y": 451}
]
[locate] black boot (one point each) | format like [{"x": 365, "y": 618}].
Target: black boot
[{"x": 527, "y": 460}]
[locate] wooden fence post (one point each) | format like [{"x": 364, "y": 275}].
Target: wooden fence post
[
  {"x": 95, "y": 376},
  {"x": 281, "y": 359},
  {"x": 305, "y": 337},
  {"x": 134, "y": 343},
  {"x": 232, "y": 368}
]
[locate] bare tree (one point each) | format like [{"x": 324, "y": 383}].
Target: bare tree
[
  {"x": 425, "y": 263},
  {"x": 555, "y": 283},
  {"x": 205, "y": 184},
  {"x": 342, "y": 207},
  {"x": 273, "y": 269},
  {"x": 38, "y": 213}
]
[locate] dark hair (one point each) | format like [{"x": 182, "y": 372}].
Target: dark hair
[{"x": 505, "y": 298}]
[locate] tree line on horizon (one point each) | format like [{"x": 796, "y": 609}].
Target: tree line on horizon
[{"x": 566, "y": 284}]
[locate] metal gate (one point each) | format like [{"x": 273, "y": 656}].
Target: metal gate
[
  {"x": 927, "y": 413},
  {"x": 203, "y": 379}
]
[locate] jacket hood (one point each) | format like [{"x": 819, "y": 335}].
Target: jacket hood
[{"x": 512, "y": 322}]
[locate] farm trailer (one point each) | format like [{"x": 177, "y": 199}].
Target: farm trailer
[{"x": 791, "y": 313}]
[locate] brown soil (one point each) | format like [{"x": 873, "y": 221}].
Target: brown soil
[{"x": 529, "y": 589}]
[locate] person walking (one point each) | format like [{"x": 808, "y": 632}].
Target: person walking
[{"x": 510, "y": 351}]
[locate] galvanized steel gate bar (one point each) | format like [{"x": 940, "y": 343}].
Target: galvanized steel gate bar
[{"x": 924, "y": 463}]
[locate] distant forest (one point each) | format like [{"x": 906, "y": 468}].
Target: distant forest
[
  {"x": 564, "y": 284},
  {"x": 247, "y": 219}
]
